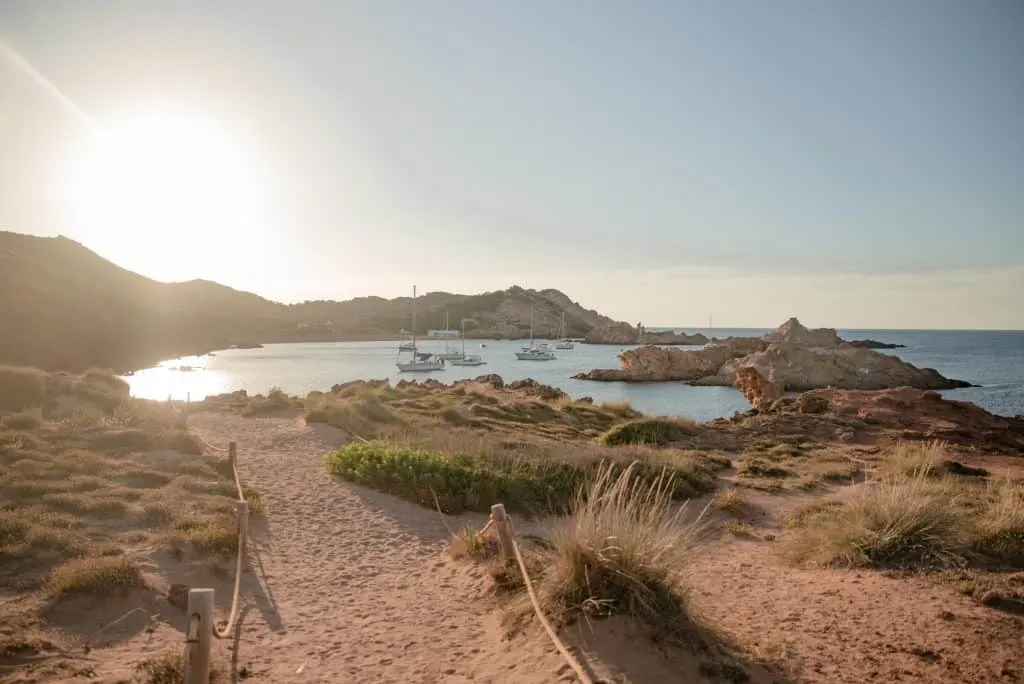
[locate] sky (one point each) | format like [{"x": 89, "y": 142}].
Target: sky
[{"x": 856, "y": 164}]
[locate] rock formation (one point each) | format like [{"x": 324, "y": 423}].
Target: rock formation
[
  {"x": 624, "y": 333},
  {"x": 911, "y": 414},
  {"x": 792, "y": 356},
  {"x": 758, "y": 390},
  {"x": 793, "y": 332}
]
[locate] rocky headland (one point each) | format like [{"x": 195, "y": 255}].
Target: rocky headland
[{"x": 789, "y": 358}]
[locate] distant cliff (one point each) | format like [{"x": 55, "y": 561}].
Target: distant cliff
[{"x": 63, "y": 307}]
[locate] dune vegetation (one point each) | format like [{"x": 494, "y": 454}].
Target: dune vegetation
[
  {"x": 93, "y": 483},
  {"x": 916, "y": 515}
]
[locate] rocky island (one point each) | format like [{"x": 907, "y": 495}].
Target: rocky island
[{"x": 789, "y": 358}]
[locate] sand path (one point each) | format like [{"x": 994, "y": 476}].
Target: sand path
[{"x": 348, "y": 585}]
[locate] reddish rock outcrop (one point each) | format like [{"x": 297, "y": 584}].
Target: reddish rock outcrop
[
  {"x": 907, "y": 413},
  {"x": 758, "y": 390}
]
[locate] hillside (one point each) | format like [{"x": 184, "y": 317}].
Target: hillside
[{"x": 63, "y": 307}]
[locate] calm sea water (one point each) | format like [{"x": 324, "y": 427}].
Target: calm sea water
[{"x": 994, "y": 360}]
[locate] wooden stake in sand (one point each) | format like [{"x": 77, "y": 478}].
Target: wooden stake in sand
[
  {"x": 501, "y": 522},
  {"x": 199, "y": 637},
  {"x": 233, "y": 456}
]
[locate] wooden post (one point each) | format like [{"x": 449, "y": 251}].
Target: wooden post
[
  {"x": 199, "y": 635},
  {"x": 504, "y": 531},
  {"x": 233, "y": 455}
]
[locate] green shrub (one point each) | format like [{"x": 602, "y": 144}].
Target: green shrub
[
  {"x": 21, "y": 388},
  {"x": 652, "y": 432},
  {"x": 464, "y": 481}
]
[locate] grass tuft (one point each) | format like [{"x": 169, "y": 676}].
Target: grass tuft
[
  {"x": 652, "y": 432},
  {"x": 621, "y": 552},
  {"x": 103, "y": 576}
]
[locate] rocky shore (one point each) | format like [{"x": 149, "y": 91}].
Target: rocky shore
[{"x": 790, "y": 358}]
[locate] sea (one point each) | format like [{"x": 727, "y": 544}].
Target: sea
[{"x": 992, "y": 360}]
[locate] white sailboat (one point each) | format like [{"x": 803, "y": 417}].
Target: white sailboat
[
  {"x": 467, "y": 359},
  {"x": 421, "y": 362},
  {"x": 535, "y": 352},
  {"x": 563, "y": 341},
  {"x": 448, "y": 354}
]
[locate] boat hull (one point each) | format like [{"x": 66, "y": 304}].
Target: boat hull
[{"x": 420, "y": 367}]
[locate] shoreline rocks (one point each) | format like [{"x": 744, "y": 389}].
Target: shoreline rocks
[{"x": 791, "y": 358}]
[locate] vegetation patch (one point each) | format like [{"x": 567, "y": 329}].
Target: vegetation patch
[
  {"x": 915, "y": 519},
  {"x": 622, "y": 552},
  {"x": 103, "y": 576},
  {"x": 474, "y": 479},
  {"x": 652, "y": 432}
]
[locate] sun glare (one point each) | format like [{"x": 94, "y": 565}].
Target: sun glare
[{"x": 164, "y": 194}]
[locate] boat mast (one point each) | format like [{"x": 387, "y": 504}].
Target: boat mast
[
  {"x": 414, "y": 320},
  {"x": 533, "y": 310},
  {"x": 463, "y": 338}
]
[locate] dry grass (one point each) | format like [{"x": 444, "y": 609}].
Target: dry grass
[
  {"x": 375, "y": 408},
  {"x": 622, "y": 552},
  {"x": 731, "y": 501},
  {"x": 103, "y": 576},
  {"x": 71, "y": 495},
  {"x": 915, "y": 517},
  {"x": 167, "y": 668}
]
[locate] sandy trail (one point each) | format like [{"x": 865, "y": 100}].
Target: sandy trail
[{"x": 348, "y": 585}]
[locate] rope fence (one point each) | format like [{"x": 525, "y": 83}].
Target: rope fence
[
  {"x": 501, "y": 524},
  {"x": 201, "y": 627}
]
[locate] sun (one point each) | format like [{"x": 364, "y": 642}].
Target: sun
[{"x": 164, "y": 194}]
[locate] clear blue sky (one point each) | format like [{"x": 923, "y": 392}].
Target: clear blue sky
[{"x": 858, "y": 164}]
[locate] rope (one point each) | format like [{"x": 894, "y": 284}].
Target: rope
[
  {"x": 212, "y": 447},
  {"x": 222, "y": 633},
  {"x": 573, "y": 663}
]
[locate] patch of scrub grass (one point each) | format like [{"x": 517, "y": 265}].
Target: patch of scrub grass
[
  {"x": 652, "y": 432},
  {"x": 915, "y": 517},
  {"x": 738, "y": 529},
  {"x": 466, "y": 481},
  {"x": 901, "y": 521},
  {"x": 622, "y": 552},
  {"x": 731, "y": 501},
  {"x": 167, "y": 668},
  {"x": 999, "y": 528},
  {"x": 217, "y": 536},
  {"x": 102, "y": 576}
]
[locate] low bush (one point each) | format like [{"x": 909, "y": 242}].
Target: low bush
[
  {"x": 652, "y": 432},
  {"x": 464, "y": 480}
]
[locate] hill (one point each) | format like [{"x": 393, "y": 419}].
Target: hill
[{"x": 64, "y": 307}]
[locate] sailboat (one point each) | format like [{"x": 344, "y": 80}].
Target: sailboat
[
  {"x": 421, "y": 362},
  {"x": 563, "y": 342},
  {"x": 535, "y": 352},
  {"x": 448, "y": 354},
  {"x": 467, "y": 359}
]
